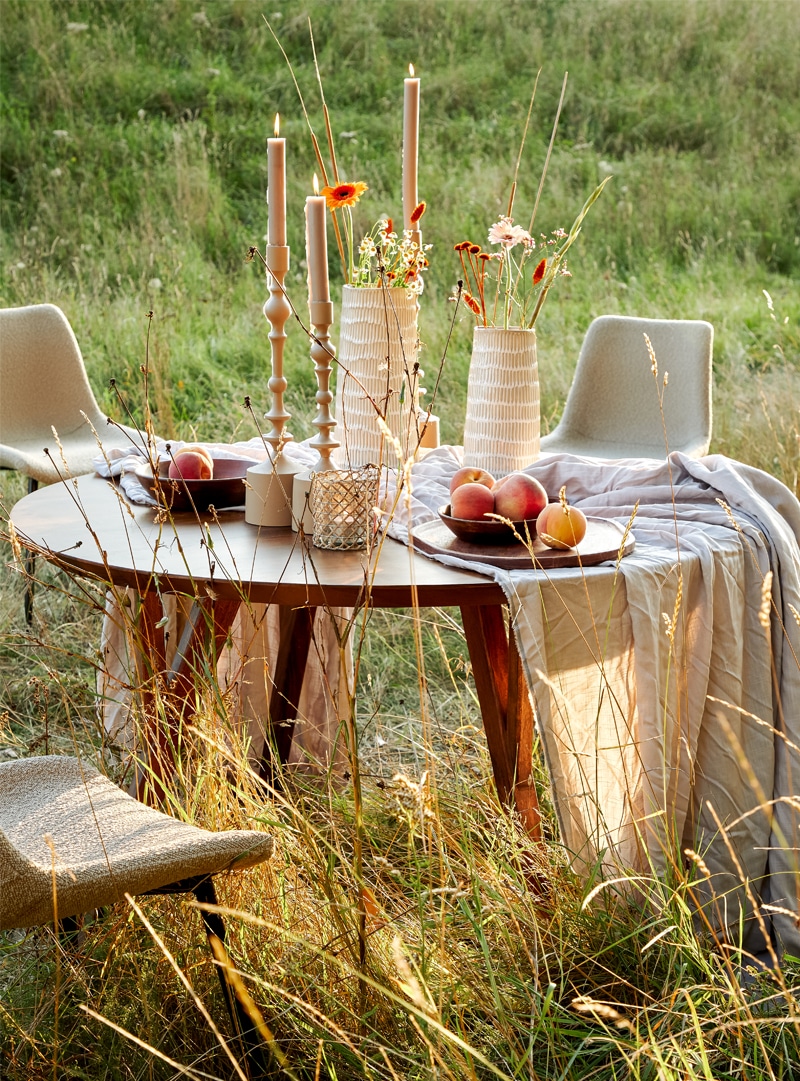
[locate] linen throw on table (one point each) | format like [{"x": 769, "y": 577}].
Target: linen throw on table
[
  {"x": 244, "y": 668},
  {"x": 657, "y": 726}
]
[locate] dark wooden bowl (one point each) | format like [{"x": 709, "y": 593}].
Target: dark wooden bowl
[
  {"x": 225, "y": 489},
  {"x": 487, "y": 531}
]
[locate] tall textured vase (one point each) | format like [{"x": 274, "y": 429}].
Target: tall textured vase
[
  {"x": 378, "y": 346},
  {"x": 501, "y": 431}
]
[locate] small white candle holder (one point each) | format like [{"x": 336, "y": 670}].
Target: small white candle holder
[
  {"x": 322, "y": 353},
  {"x": 268, "y": 501}
]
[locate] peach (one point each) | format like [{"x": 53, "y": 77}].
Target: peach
[
  {"x": 191, "y": 463},
  {"x": 471, "y": 474},
  {"x": 561, "y": 526},
  {"x": 471, "y": 501},
  {"x": 519, "y": 497}
]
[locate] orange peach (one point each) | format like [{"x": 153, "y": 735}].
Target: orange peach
[
  {"x": 518, "y": 497},
  {"x": 561, "y": 526},
  {"x": 471, "y": 501},
  {"x": 471, "y": 474},
  {"x": 192, "y": 463}
]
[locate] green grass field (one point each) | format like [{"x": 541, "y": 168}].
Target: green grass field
[{"x": 132, "y": 178}]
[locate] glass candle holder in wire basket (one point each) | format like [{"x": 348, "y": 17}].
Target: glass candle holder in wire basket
[{"x": 341, "y": 504}]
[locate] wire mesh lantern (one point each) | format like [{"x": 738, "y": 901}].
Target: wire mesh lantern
[{"x": 341, "y": 504}]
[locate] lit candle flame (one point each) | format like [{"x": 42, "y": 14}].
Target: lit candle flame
[
  {"x": 316, "y": 185},
  {"x": 411, "y": 70},
  {"x": 277, "y": 124}
]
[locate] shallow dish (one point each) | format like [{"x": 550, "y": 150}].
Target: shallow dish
[
  {"x": 225, "y": 489},
  {"x": 488, "y": 531}
]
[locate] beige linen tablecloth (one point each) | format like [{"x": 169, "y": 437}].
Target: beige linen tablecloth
[{"x": 669, "y": 715}]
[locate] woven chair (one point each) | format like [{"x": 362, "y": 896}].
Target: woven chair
[
  {"x": 43, "y": 385},
  {"x": 612, "y": 409},
  {"x": 106, "y": 844}
]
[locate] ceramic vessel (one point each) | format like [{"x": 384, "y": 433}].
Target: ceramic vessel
[
  {"x": 376, "y": 374},
  {"x": 501, "y": 431}
]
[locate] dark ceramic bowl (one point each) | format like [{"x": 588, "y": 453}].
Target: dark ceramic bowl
[
  {"x": 488, "y": 531},
  {"x": 225, "y": 489}
]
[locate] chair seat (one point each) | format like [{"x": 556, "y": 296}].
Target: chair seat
[
  {"x": 106, "y": 843},
  {"x": 583, "y": 446}
]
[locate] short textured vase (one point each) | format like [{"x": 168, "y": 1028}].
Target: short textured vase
[
  {"x": 377, "y": 355},
  {"x": 501, "y": 431}
]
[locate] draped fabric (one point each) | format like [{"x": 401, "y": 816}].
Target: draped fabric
[{"x": 667, "y": 684}]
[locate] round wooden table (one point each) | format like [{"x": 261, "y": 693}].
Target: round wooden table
[{"x": 90, "y": 529}]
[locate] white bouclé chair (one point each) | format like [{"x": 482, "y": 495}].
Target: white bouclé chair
[
  {"x": 44, "y": 386},
  {"x": 67, "y": 830},
  {"x": 612, "y": 409}
]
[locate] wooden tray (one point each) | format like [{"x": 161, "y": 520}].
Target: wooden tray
[{"x": 601, "y": 543}]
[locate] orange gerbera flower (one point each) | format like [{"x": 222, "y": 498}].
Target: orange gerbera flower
[
  {"x": 343, "y": 194},
  {"x": 419, "y": 210}
]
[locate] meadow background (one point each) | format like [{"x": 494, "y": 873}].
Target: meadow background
[{"x": 132, "y": 178}]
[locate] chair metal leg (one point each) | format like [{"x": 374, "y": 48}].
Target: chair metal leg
[
  {"x": 258, "y": 1061},
  {"x": 30, "y": 566}
]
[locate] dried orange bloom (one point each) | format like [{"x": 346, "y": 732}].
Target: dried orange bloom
[
  {"x": 474, "y": 249},
  {"x": 463, "y": 246},
  {"x": 389, "y": 226},
  {"x": 484, "y": 256},
  {"x": 343, "y": 194},
  {"x": 538, "y": 274},
  {"x": 472, "y": 303},
  {"x": 419, "y": 210}
]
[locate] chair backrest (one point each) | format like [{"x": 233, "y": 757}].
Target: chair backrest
[
  {"x": 615, "y": 397},
  {"x": 43, "y": 381}
]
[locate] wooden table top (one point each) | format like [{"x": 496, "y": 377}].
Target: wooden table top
[{"x": 90, "y": 528}]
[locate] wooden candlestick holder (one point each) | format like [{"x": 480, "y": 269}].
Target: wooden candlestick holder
[
  {"x": 277, "y": 310},
  {"x": 322, "y": 353}
]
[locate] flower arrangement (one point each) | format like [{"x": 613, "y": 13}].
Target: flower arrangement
[
  {"x": 392, "y": 260},
  {"x": 499, "y": 288},
  {"x": 384, "y": 258}
]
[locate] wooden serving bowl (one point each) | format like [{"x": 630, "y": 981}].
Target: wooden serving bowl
[
  {"x": 225, "y": 489},
  {"x": 488, "y": 531}
]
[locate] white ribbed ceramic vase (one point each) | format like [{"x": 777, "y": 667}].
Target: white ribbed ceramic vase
[
  {"x": 501, "y": 431},
  {"x": 378, "y": 346}
]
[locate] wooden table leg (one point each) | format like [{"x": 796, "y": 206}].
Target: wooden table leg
[
  {"x": 505, "y": 707},
  {"x": 296, "y": 630}
]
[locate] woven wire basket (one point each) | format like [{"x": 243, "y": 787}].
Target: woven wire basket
[{"x": 341, "y": 503}]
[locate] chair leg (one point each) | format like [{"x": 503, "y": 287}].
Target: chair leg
[
  {"x": 30, "y": 566},
  {"x": 258, "y": 1061}
]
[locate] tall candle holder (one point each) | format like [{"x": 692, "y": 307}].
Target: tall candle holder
[
  {"x": 322, "y": 353},
  {"x": 269, "y": 492},
  {"x": 277, "y": 311}
]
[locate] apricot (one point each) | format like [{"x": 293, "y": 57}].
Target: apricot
[
  {"x": 471, "y": 501},
  {"x": 561, "y": 526}
]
